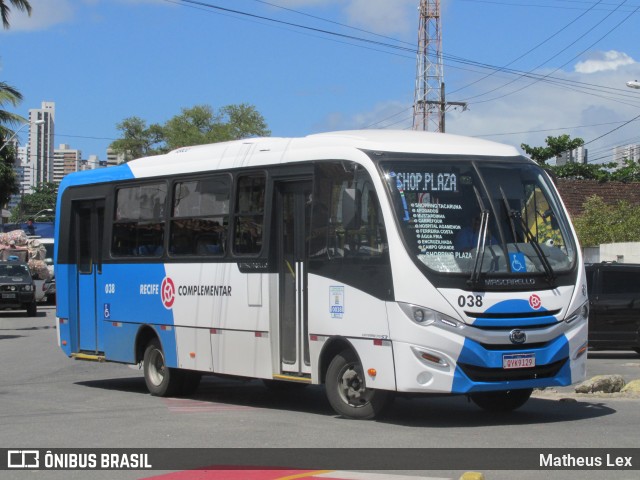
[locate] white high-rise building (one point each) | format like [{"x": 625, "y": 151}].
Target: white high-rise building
[
  {"x": 626, "y": 152},
  {"x": 23, "y": 175},
  {"x": 577, "y": 155},
  {"x": 41, "y": 142}
]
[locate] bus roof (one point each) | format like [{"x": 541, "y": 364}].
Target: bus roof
[{"x": 275, "y": 150}]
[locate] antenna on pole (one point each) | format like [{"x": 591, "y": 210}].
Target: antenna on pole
[{"x": 429, "y": 105}]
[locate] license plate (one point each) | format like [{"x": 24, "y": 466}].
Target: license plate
[
  {"x": 518, "y": 360},
  {"x": 8, "y": 295}
]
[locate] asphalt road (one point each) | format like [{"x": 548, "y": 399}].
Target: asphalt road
[{"x": 50, "y": 401}]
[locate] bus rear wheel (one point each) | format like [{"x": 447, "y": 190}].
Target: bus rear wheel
[
  {"x": 347, "y": 391},
  {"x": 161, "y": 380},
  {"x": 503, "y": 401}
]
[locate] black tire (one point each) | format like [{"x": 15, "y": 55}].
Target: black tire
[
  {"x": 32, "y": 310},
  {"x": 347, "y": 392},
  {"x": 161, "y": 380},
  {"x": 503, "y": 401},
  {"x": 637, "y": 350}
]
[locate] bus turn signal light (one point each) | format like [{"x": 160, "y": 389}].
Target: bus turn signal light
[{"x": 372, "y": 372}]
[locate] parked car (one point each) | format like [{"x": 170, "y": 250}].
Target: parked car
[
  {"x": 614, "y": 300},
  {"x": 17, "y": 290}
]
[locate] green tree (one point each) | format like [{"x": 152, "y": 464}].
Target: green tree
[
  {"x": 8, "y": 95},
  {"x": 197, "y": 125},
  {"x": 628, "y": 172},
  {"x": 194, "y": 126},
  {"x": 138, "y": 140},
  {"x": 604, "y": 223},
  {"x": 243, "y": 121},
  {"x": 8, "y": 180},
  {"x": 583, "y": 171},
  {"x": 555, "y": 147},
  {"x": 22, "y": 5},
  {"x": 42, "y": 198}
]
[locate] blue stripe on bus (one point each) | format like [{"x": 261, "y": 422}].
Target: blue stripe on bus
[
  {"x": 129, "y": 306},
  {"x": 515, "y": 322},
  {"x": 475, "y": 354},
  {"x": 98, "y": 175},
  {"x": 519, "y": 306}
]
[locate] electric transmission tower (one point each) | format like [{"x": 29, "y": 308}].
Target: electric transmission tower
[{"x": 429, "y": 105}]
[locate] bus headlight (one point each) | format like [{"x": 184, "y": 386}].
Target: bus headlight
[
  {"x": 425, "y": 316},
  {"x": 580, "y": 313}
]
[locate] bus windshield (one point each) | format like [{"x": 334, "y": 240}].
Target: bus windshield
[{"x": 480, "y": 216}]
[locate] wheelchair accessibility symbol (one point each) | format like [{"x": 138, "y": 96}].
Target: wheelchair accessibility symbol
[{"x": 518, "y": 263}]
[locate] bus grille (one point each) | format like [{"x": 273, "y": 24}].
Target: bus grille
[{"x": 482, "y": 374}]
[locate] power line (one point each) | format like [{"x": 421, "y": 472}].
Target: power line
[
  {"x": 611, "y": 131},
  {"x": 333, "y": 22},
  {"x": 533, "y": 48},
  {"x": 292, "y": 24},
  {"x": 570, "y": 60},
  {"x": 553, "y": 5}
]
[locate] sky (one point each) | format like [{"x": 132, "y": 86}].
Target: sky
[{"x": 528, "y": 69}]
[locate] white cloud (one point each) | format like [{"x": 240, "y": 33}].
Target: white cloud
[
  {"x": 380, "y": 16},
  {"x": 391, "y": 114},
  {"x": 383, "y": 16},
  {"x": 604, "y": 61},
  {"x": 532, "y": 114}
]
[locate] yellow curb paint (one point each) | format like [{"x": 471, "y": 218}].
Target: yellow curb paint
[
  {"x": 305, "y": 475},
  {"x": 472, "y": 476}
]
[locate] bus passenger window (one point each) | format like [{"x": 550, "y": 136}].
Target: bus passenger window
[
  {"x": 200, "y": 217},
  {"x": 138, "y": 224},
  {"x": 249, "y": 215}
]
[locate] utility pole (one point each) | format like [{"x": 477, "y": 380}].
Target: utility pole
[{"x": 429, "y": 104}]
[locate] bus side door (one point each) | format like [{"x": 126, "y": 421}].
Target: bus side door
[
  {"x": 89, "y": 229},
  {"x": 293, "y": 209}
]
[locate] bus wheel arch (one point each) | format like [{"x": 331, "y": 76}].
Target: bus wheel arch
[
  {"x": 331, "y": 348},
  {"x": 161, "y": 380},
  {"x": 146, "y": 333},
  {"x": 345, "y": 383}
]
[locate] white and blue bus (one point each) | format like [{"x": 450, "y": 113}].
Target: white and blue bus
[{"x": 372, "y": 262}]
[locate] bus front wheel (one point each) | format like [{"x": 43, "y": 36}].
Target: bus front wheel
[
  {"x": 161, "y": 380},
  {"x": 347, "y": 391},
  {"x": 502, "y": 401}
]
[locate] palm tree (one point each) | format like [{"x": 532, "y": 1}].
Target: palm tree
[
  {"x": 8, "y": 95},
  {"x": 8, "y": 181},
  {"x": 22, "y": 5}
]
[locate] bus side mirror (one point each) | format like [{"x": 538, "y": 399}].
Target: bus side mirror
[{"x": 351, "y": 208}]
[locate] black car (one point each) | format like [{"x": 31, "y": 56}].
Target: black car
[
  {"x": 17, "y": 290},
  {"x": 614, "y": 300}
]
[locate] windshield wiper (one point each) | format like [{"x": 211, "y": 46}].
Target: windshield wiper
[
  {"x": 513, "y": 214},
  {"x": 481, "y": 242}
]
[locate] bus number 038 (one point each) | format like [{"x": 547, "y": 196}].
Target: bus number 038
[{"x": 470, "y": 301}]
